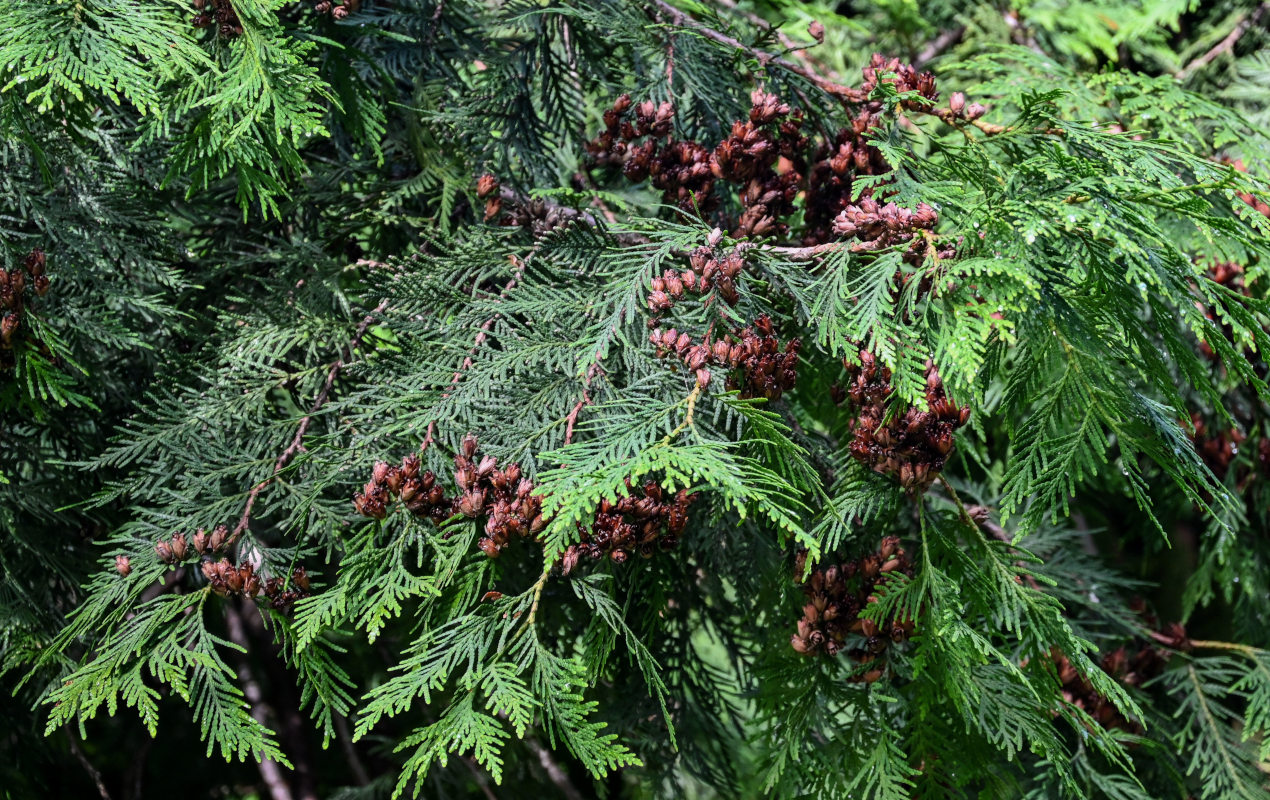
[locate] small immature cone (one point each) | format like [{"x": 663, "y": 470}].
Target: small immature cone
[
  {"x": 8, "y": 326},
  {"x": 817, "y": 31},
  {"x": 220, "y": 534},
  {"x": 123, "y": 565},
  {"x": 957, "y": 102},
  {"x": 164, "y": 551},
  {"x": 486, "y": 185},
  {"x": 179, "y": 547}
]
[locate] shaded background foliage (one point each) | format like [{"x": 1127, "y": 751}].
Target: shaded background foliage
[{"x": 225, "y": 217}]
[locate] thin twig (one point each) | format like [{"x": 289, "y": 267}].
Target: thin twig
[
  {"x": 763, "y": 25},
  {"x": 825, "y": 84},
  {"x": 86, "y": 764},
  {"x": 670, "y": 66},
  {"x": 297, "y": 442},
  {"x": 1227, "y": 44},
  {"x": 834, "y": 88},
  {"x": 483, "y": 333},
  {"x": 533, "y": 607},
  {"x": 952, "y": 493},
  {"x": 554, "y": 772},
  {"x": 481, "y": 780},
  {"x": 573, "y": 418},
  {"x": 270, "y": 770},
  {"x": 350, "y": 751},
  {"x": 938, "y": 46},
  {"x": 803, "y": 253},
  {"x": 687, "y": 420}
]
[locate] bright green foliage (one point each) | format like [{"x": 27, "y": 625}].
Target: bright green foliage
[{"x": 272, "y": 267}]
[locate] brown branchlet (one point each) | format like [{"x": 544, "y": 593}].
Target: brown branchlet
[
  {"x": 835, "y": 597},
  {"x": 757, "y": 364},
  {"x": 912, "y": 446}
]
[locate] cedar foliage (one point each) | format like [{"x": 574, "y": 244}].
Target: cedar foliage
[{"x": 634, "y": 399}]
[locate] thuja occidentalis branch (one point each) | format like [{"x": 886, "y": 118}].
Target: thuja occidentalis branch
[
  {"x": 483, "y": 332},
  {"x": 297, "y": 442},
  {"x": 829, "y": 86},
  {"x": 826, "y": 85}
]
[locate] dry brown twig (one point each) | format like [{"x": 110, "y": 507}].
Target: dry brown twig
[
  {"x": 297, "y": 442},
  {"x": 1227, "y": 43}
]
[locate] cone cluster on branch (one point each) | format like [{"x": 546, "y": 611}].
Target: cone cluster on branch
[
  {"x": 878, "y": 226},
  {"x": 708, "y": 270},
  {"x": 911, "y": 446},
  {"x": 179, "y": 547},
  {"x": 487, "y": 189},
  {"x": 770, "y": 164},
  {"x": 835, "y": 597},
  {"x": 904, "y": 77},
  {"x": 282, "y": 595},
  {"x": 1131, "y": 666},
  {"x": 227, "y": 579},
  {"x": 644, "y": 521},
  {"x": 758, "y": 365},
  {"x": 15, "y": 290},
  {"x": 219, "y": 14},
  {"x": 338, "y": 9}
]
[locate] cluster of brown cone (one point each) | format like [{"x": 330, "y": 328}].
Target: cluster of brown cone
[
  {"x": 911, "y": 446},
  {"x": 835, "y": 597},
  {"x": 757, "y": 362},
  {"x": 178, "y": 547},
  {"x": 771, "y": 165},
  {"x": 14, "y": 300},
  {"x": 219, "y": 14},
  {"x": 1131, "y": 666},
  {"x": 643, "y": 521}
]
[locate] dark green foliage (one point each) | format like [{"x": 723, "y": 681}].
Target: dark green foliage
[{"x": 272, "y": 265}]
